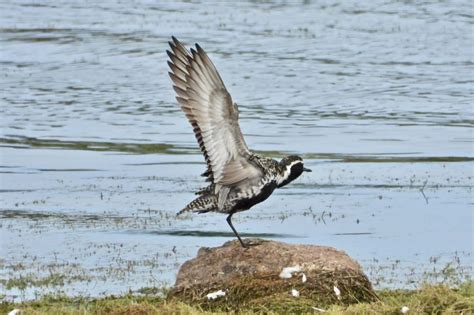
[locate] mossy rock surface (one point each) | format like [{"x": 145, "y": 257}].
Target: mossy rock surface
[{"x": 253, "y": 277}]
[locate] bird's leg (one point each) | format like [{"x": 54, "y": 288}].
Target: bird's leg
[{"x": 229, "y": 220}]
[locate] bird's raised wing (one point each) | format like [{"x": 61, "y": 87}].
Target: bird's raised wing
[{"x": 212, "y": 114}]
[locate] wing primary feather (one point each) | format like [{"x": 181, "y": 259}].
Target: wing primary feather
[{"x": 213, "y": 116}]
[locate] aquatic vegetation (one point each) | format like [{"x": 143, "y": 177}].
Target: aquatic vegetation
[{"x": 141, "y": 148}]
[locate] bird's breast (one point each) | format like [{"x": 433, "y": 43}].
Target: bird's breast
[{"x": 246, "y": 197}]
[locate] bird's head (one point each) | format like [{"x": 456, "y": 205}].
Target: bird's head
[{"x": 291, "y": 167}]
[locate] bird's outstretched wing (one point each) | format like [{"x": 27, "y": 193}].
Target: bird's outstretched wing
[{"x": 212, "y": 114}]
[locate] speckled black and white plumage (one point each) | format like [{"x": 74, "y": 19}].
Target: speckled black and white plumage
[{"x": 238, "y": 178}]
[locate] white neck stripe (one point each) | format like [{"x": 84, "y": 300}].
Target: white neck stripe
[
  {"x": 293, "y": 163},
  {"x": 287, "y": 172}
]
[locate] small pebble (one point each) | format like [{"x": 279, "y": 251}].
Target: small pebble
[
  {"x": 338, "y": 292},
  {"x": 286, "y": 273},
  {"x": 215, "y": 295},
  {"x": 318, "y": 309},
  {"x": 303, "y": 278},
  {"x": 295, "y": 293}
]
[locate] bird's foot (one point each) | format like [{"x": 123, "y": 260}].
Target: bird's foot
[{"x": 250, "y": 242}]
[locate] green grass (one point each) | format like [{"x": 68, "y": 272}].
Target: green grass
[{"x": 429, "y": 299}]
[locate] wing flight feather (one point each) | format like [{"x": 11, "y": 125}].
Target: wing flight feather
[{"x": 208, "y": 106}]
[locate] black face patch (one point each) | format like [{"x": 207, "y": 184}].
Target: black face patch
[{"x": 295, "y": 171}]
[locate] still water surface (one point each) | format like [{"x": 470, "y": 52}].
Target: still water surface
[{"x": 96, "y": 156}]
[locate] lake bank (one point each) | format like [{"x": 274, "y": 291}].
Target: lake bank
[{"x": 429, "y": 299}]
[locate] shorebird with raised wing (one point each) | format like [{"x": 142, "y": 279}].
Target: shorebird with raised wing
[{"x": 239, "y": 178}]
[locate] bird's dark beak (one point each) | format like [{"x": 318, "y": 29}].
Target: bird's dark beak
[{"x": 306, "y": 169}]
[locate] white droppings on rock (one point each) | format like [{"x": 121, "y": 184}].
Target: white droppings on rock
[
  {"x": 405, "y": 309},
  {"x": 303, "y": 278},
  {"x": 14, "y": 312},
  {"x": 215, "y": 295},
  {"x": 337, "y": 292},
  {"x": 287, "y": 272},
  {"x": 295, "y": 293}
]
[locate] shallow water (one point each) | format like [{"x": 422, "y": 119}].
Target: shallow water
[{"x": 96, "y": 157}]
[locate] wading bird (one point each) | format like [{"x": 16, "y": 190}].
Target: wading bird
[{"x": 239, "y": 179}]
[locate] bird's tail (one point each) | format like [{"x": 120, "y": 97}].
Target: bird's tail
[{"x": 201, "y": 204}]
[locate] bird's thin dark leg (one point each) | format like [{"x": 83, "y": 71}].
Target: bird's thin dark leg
[{"x": 229, "y": 220}]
